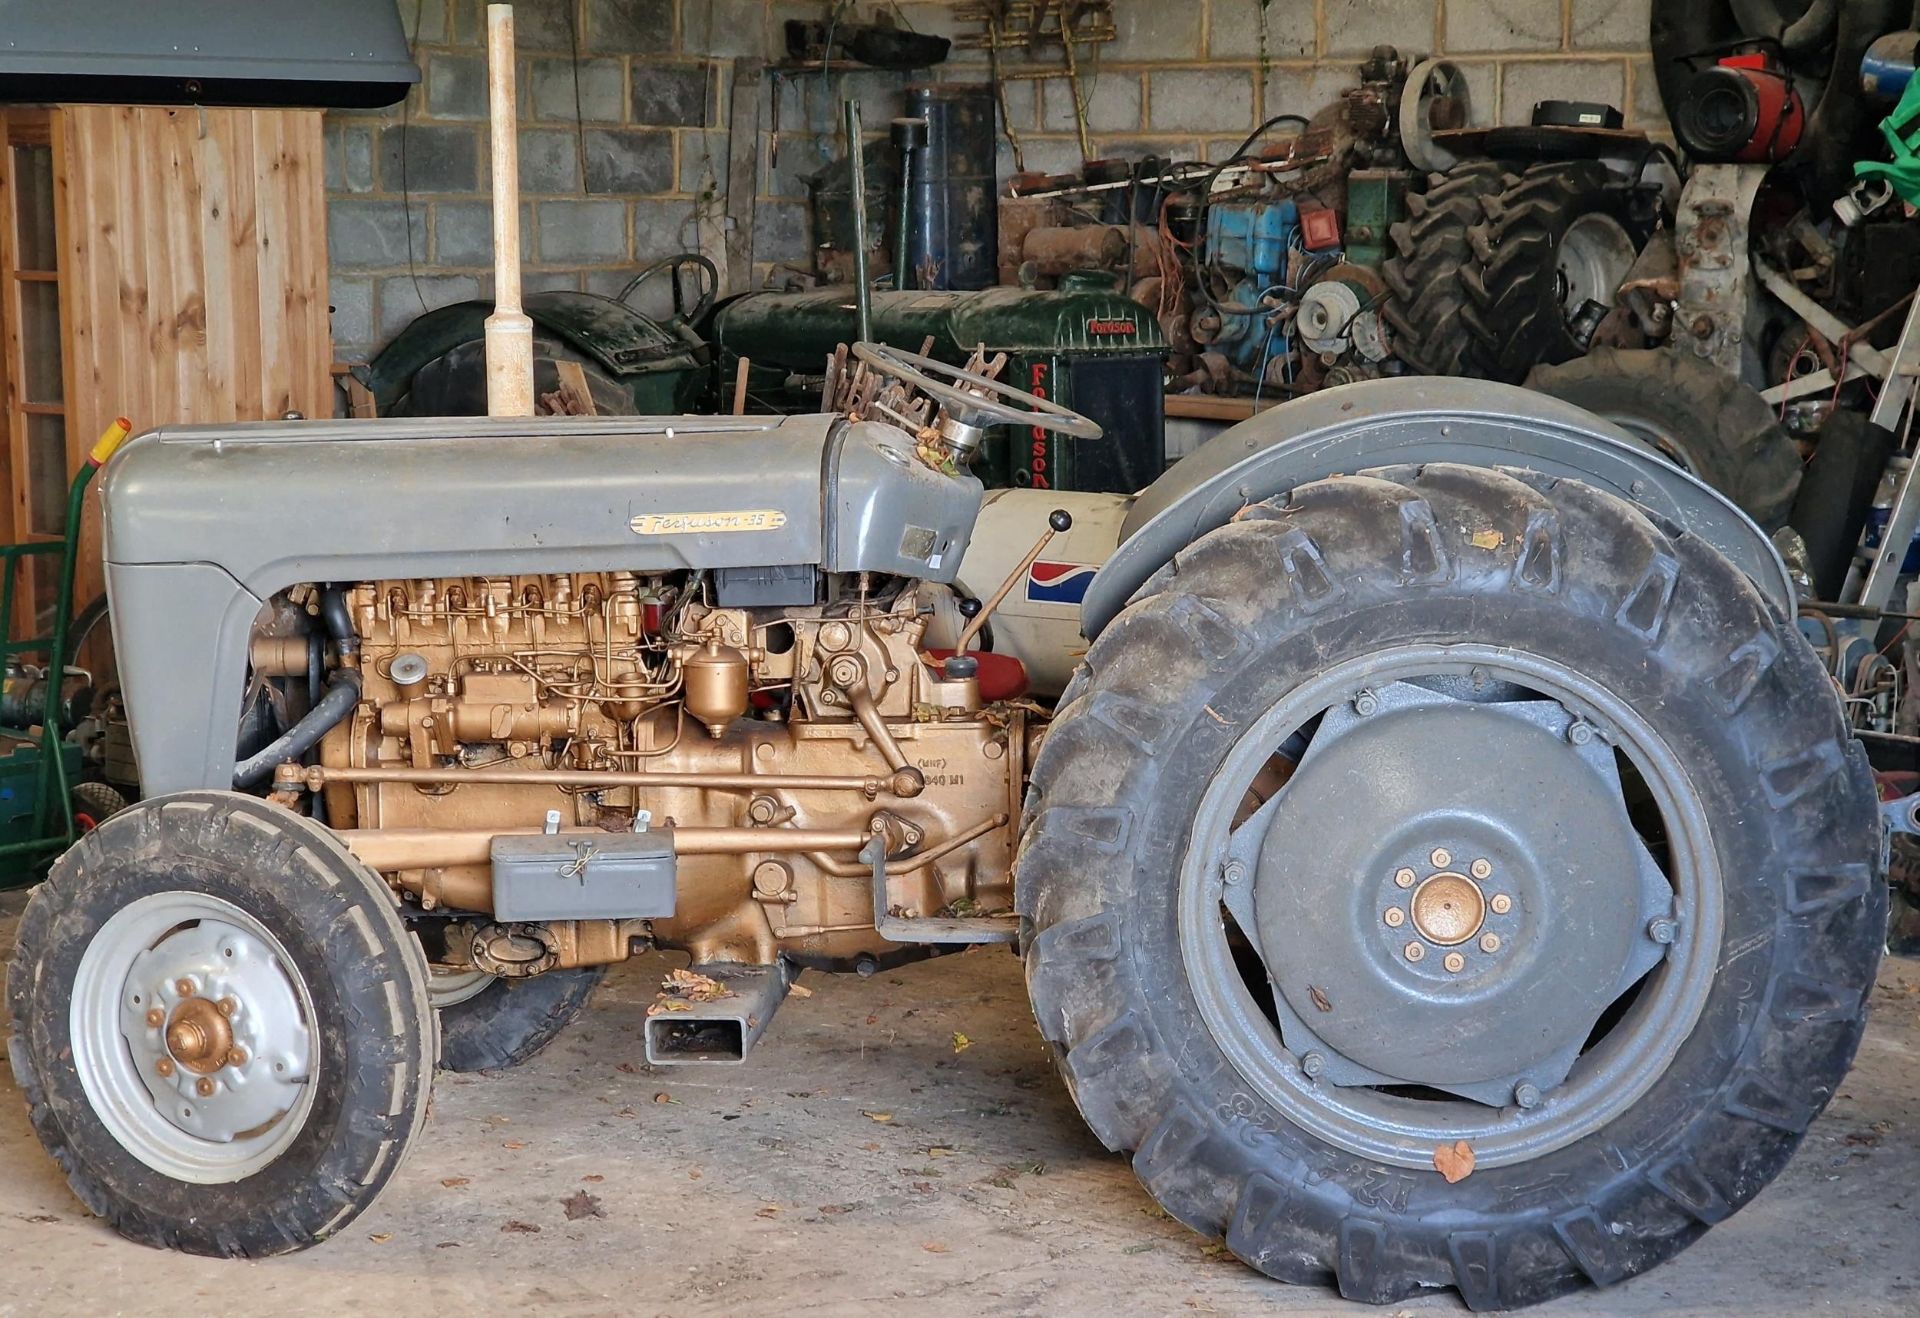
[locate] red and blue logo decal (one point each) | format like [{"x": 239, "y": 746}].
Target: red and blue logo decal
[{"x": 1059, "y": 583}]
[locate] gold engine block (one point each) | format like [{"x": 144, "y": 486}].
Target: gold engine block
[{"x": 775, "y": 742}]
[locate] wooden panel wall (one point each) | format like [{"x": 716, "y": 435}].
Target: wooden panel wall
[{"x": 194, "y": 268}]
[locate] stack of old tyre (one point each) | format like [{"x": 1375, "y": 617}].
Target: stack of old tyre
[{"x": 1477, "y": 289}]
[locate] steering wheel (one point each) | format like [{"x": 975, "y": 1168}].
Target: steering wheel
[
  {"x": 972, "y": 400},
  {"x": 709, "y": 284}
]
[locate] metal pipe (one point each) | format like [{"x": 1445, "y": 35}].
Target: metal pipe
[
  {"x": 862, "y": 280},
  {"x": 315, "y": 777},
  {"x": 845, "y": 870},
  {"x": 388, "y": 849}
]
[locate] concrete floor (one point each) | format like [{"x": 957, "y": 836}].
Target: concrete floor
[{"x": 863, "y": 1163}]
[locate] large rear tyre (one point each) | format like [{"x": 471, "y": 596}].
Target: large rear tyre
[
  {"x": 1703, "y": 420},
  {"x": 220, "y": 1026},
  {"x": 1439, "y": 807},
  {"x": 1430, "y": 250},
  {"x": 489, "y": 1024},
  {"x": 1559, "y": 237}
]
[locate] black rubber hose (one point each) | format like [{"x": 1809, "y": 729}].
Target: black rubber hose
[
  {"x": 342, "y": 694},
  {"x": 1812, "y": 28}
]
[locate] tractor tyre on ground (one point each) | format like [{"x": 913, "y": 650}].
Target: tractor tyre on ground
[
  {"x": 1700, "y": 418},
  {"x": 1451, "y": 877},
  {"x": 1423, "y": 276},
  {"x": 1557, "y": 237},
  {"x": 220, "y": 1025},
  {"x": 490, "y": 1024}
]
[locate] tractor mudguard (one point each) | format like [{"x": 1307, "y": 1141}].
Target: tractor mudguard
[{"x": 1415, "y": 420}]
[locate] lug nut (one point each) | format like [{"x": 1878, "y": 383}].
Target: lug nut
[
  {"x": 1580, "y": 733},
  {"x": 1313, "y": 1064},
  {"x": 1489, "y": 942},
  {"x": 165, "y": 1067},
  {"x": 1441, "y": 858},
  {"x": 1235, "y": 873},
  {"x": 1395, "y": 917},
  {"x": 184, "y": 987},
  {"x": 1455, "y": 963},
  {"x": 1415, "y": 952},
  {"x": 1366, "y": 704},
  {"x": 1481, "y": 868},
  {"x": 226, "y": 1006},
  {"x": 156, "y": 1018},
  {"x": 1403, "y": 878},
  {"x": 1661, "y": 929},
  {"x": 237, "y": 1057},
  {"x": 1526, "y": 1095},
  {"x": 1501, "y": 903},
  {"x": 203, "y": 1087}
]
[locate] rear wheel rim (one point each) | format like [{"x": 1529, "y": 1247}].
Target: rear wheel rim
[
  {"x": 1593, "y": 260},
  {"x": 194, "y": 1037},
  {"x": 1385, "y": 1122},
  {"x": 448, "y": 986}
]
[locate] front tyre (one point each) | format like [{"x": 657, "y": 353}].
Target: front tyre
[
  {"x": 1440, "y": 807},
  {"x": 220, "y": 1026}
]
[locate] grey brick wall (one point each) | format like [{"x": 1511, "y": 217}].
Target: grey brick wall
[{"x": 642, "y": 172}]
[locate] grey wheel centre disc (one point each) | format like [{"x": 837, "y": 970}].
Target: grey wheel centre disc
[{"x": 1451, "y": 893}]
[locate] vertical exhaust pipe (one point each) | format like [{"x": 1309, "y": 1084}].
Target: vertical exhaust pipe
[{"x": 509, "y": 331}]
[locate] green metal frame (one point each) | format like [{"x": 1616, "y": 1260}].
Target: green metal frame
[{"x": 52, "y": 830}]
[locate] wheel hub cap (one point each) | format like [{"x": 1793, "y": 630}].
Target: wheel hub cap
[
  {"x": 1453, "y": 894},
  {"x": 199, "y": 1037},
  {"x": 1448, "y": 909}
]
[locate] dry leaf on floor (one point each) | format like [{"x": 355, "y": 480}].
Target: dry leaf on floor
[
  {"x": 881, "y": 1117},
  {"x": 592, "y": 1178},
  {"x": 664, "y": 1097},
  {"x": 799, "y": 991},
  {"x": 514, "y": 1144},
  {"x": 580, "y": 1204},
  {"x": 767, "y": 1210},
  {"x": 961, "y": 1042},
  {"x": 520, "y": 1228},
  {"x": 698, "y": 987},
  {"x": 664, "y": 1004},
  {"x": 453, "y": 1182},
  {"x": 1454, "y": 1161},
  {"x": 939, "y": 1151},
  {"x": 628, "y": 1067},
  {"x": 381, "y": 1237},
  {"x": 933, "y": 1247}
]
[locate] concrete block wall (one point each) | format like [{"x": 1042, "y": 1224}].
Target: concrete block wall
[{"x": 640, "y": 170}]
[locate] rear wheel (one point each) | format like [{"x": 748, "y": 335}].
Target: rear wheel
[
  {"x": 220, "y": 1026},
  {"x": 1423, "y": 275},
  {"x": 1560, "y": 237},
  {"x": 1409, "y": 824},
  {"x": 489, "y": 1024}
]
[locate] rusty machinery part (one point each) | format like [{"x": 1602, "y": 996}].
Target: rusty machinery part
[
  {"x": 1430, "y": 251},
  {"x": 1705, "y": 421},
  {"x": 186, "y": 1037},
  {"x": 769, "y": 744},
  {"x": 1549, "y": 257},
  {"x": 1331, "y": 689},
  {"x": 1436, "y": 97}
]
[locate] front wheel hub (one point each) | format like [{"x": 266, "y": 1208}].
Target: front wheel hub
[{"x": 1453, "y": 894}]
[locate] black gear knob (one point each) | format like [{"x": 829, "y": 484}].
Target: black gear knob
[
  {"x": 969, "y": 607},
  {"x": 1060, "y": 520}
]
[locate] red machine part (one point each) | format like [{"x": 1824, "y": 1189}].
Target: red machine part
[
  {"x": 1744, "y": 109},
  {"x": 1319, "y": 228}
]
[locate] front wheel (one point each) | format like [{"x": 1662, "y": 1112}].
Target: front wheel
[
  {"x": 1447, "y": 877},
  {"x": 220, "y": 1026}
]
